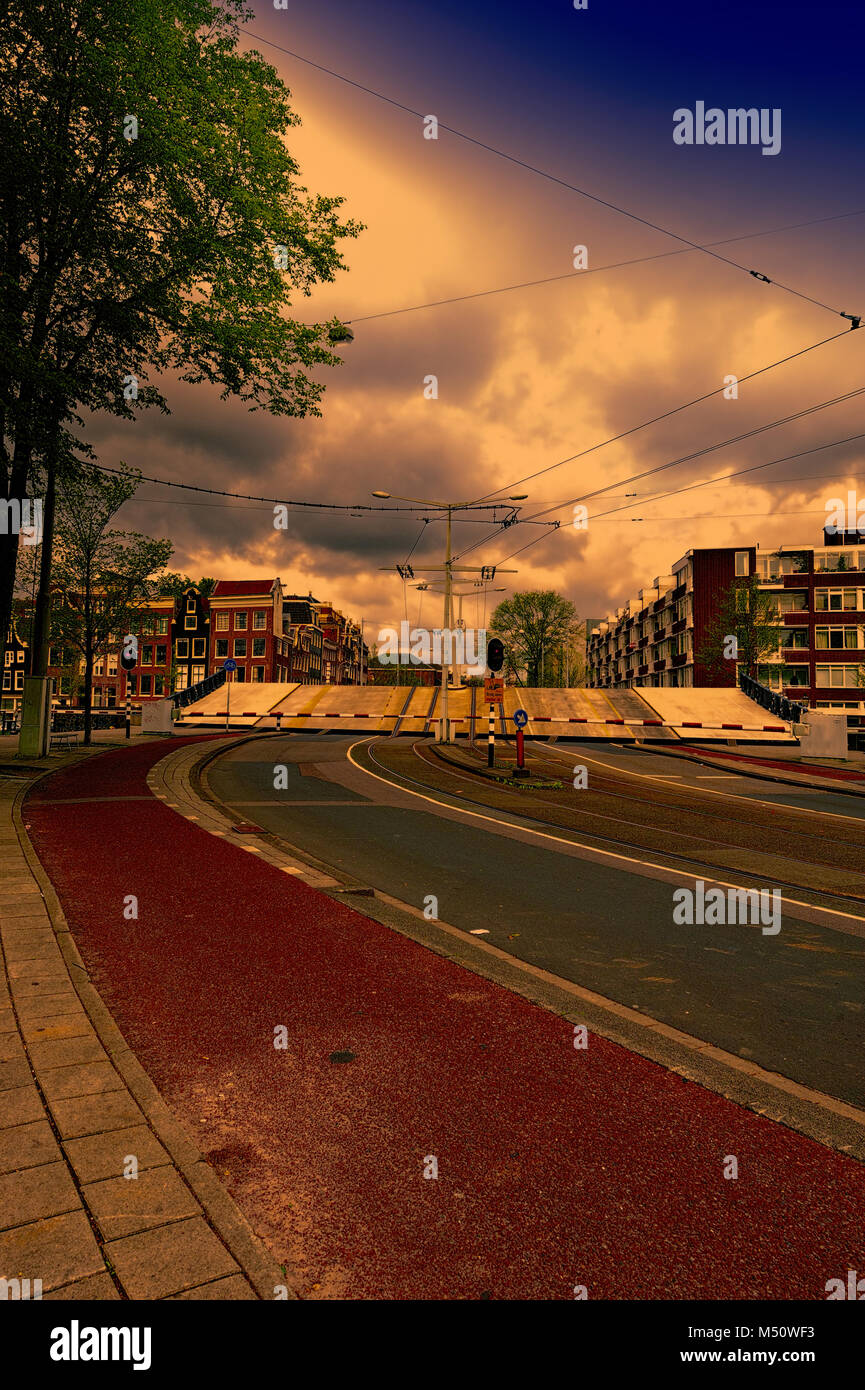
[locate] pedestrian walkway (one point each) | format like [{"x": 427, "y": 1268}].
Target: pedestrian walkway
[
  {"x": 103, "y": 1195},
  {"x": 393, "y": 1124}
]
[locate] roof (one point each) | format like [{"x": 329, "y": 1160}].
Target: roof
[
  {"x": 300, "y": 611},
  {"x": 232, "y": 588}
]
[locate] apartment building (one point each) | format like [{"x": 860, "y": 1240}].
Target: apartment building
[
  {"x": 246, "y": 624},
  {"x": 656, "y": 638}
]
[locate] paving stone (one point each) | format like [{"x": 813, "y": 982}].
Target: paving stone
[
  {"x": 27, "y": 907},
  {"x": 47, "y": 960},
  {"x": 66, "y": 1052},
  {"x": 123, "y": 1206},
  {"x": 71, "y": 1025},
  {"x": 98, "y": 1287},
  {"x": 235, "y": 1287},
  {"x": 14, "y": 1074},
  {"x": 32, "y": 1194},
  {"x": 7, "y": 1020},
  {"x": 56, "y": 1251},
  {"x": 62, "y": 1083},
  {"x": 103, "y": 1155},
  {"x": 26, "y": 1146},
  {"x": 94, "y": 1114},
  {"x": 20, "y": 1106},
  {"x": 169, "y": 1259},
  {"x": 22, "y": 937},
  {"x": 40, "y": 983},
  {"x": 43, "y": 1006},
  {"x": 10, "y": 1047}
]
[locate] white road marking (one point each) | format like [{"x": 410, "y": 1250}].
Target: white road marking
[{"x": 591, "y": 849}]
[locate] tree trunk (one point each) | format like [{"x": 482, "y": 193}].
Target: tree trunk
[{"x": 88, "y": 696}]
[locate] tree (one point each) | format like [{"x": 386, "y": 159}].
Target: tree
[
  {"x": 103, "y": 576},
  {"x": 535, "y": 626},
  {"x": 174, "y": 585},
  {"x": 151, "y": 222},
  {"x": 749, "y": 615}
]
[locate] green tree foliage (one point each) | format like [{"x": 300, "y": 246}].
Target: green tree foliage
[
  {"x": 152, "y": 222},
  {"x": 102, "y": 577},
  {"x": 535, "y": 627},
  {"x": 748, "y": 613}
]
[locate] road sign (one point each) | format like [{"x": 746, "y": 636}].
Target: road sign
[
  {"x": 494, "y": 690},
  {"x": 229, "y": 665},
  {"x": 495, "y": 654},
  {"x": 521, "y": 718}
]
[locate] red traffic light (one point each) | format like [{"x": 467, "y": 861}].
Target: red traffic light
[{"x": 495, "y": 654}]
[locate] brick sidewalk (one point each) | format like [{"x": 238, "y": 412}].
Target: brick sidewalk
[{"x": 77, "y": 1113}]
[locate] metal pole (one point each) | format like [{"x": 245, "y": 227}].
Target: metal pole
[
  {"x": 128, "y": 709},
  {"x": 362, "y": 662},
  {"x": 491, "y": 739},
  {"x": 227, "y": 696},
  {"x": 444, "y": 724}
]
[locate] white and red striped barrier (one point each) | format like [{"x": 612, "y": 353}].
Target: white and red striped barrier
[{"x": 533, "y": 719}]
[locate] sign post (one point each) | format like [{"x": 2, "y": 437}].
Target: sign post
[
  {"x": 494, "y": 692},
  {"x": 128, "y": 660},
  {"x": 229, "y": 667},
  {"x": 521, "y": 719}
]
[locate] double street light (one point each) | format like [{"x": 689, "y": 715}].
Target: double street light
[{"x": 444, "y": 734}]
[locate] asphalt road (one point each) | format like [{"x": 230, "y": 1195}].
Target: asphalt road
[{"x": 793, "y": 1002}]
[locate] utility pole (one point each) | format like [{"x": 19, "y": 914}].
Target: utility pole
[{"x": 444, "y": 723}]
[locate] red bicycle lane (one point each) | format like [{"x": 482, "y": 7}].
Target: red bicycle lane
[{"x": 556, "y": 1166}]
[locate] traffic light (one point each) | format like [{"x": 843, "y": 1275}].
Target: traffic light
[{"x": 495, "y": 654}]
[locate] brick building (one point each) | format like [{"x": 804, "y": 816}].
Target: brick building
[
  {"x": 655, "y": 639},
  {"x": 246, "y": 623}
]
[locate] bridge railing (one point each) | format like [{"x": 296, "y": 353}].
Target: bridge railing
[
  {"x": 772, "y": 700},
  {"x": 192, "y": 693}
]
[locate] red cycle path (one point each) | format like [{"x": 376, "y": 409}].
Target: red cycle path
[{"x": 556, "y": 1167}]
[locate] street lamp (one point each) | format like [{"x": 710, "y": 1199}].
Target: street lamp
[{"x": 448, "y": 508}]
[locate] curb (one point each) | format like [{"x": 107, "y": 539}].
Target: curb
[
  {"x": 219, "y": 1208},
  {"x": 704, "y": 757}
]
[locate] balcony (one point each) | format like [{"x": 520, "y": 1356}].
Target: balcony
[
  {"x": 643, "y": 670},
  {"x": 659, "y": 665},
  {"x": 679, "y": 626},
  {"x": 679, "y": 592},
  {"x": 680, "y": 659}
]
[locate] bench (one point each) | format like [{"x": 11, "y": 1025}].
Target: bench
[{"x": 67, "y": 740}]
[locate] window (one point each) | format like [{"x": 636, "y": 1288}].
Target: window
[
  {"x": 147, "y": 655},
  {"x": 768, "y": 566},
  {"x": 259, "y": 646},
  {"x": 131, "y": 684},
  {"x": 240, "y": 617},
  {"x": 147, "y": 627},
  {"x": 198, "y": 646},
  {"x": 111, "y": 696},
  {"x": 742, "y": 564},
  {"x": 112, "y": 665},
  {"x": 259, "y": 619},
  {"x": 838, "y": 637},
  {"x": 146, "y": 683},
  {"x": 161, "y": 654},
  {"x": 792, "y": 601},
  {"x": 190, "y": 623},
  {"x": 8, "y": 659},
  {"x": 97, "y": 667},
  {"x": 240, "y": 646},
  {"x": 162, "y": 626},
  {"x": 180, "y": 677},
  {"x": 159, "y": 684},
  {"x": 65, "y": 685},
  {"x": 198, "y": 674},
  {"x": 837, "y": 676},
  {"x": 222, "y": 622},
  {"x": 222, "y": 646},
  {"x": 190, "y": 605},
  {"x": 239, "y": 674},
  {"x": 7, "y": 680},
  {"x": 181, "y": 648},
  {"x": 258, "y": 673}
]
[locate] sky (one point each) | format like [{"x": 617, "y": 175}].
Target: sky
[{"x": 531, "y": 377}]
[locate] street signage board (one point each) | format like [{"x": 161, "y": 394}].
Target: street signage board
[
  {"x": 521, "y": 718},
  {"x": 229, "y": 665},
  {"x": 494, "y": 690}
]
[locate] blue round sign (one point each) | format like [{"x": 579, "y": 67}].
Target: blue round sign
[
  {"x": 229, "y": 665},
  {"x": 521, "y": 718}
]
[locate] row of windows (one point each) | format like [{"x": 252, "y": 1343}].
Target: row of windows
[
  {"x": 12, "y": 657},
  {"x": 259, "y": 646},
  {"x": 259, "y": 620}
]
